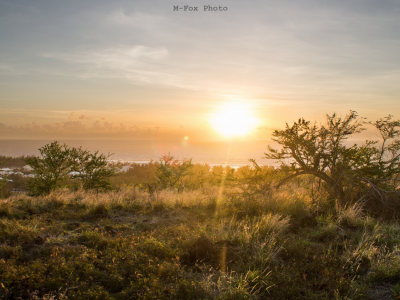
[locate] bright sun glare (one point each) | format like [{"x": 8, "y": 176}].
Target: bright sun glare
[{"x": 234, "y": 119}]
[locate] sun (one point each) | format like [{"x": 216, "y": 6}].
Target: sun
[{"x": 233, "y": 119}]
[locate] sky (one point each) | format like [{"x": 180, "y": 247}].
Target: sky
[{"x": 138, "y": 69}]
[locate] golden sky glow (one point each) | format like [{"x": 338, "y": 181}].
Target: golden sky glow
[{"x": 139, "y": 70}]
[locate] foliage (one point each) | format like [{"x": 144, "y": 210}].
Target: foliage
[
  {"x": 92, "y": 169},
  {"x": 264, "y": 245},
  {"x": 15, "y": 162},
  {"x": 5, "y": 190},
  {"x": 5, "y": 187},
  {"x": 256, "y": 180},
  {"x": 321, "y": 151},
  {"x": 18, "y": 182},
  {"x": 383, "y": 167},
  {"x": 56, "y": 246},
  {"x": 222, "y": 175},
  {"x": 56, "y": 163},
  {"x": 51, "y": 168},
  {"x": 199, "y": 176},
  {"x": 139, "y": 174},
  {"x": 171, "y": 172}
]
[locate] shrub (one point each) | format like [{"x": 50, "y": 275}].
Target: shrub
[
  {"x": 50, "y": 168},
  {"x": 92, "y": 169}
]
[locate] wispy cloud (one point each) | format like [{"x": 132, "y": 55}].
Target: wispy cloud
[
  {"x": 287, "y": 54},
  {"x": 138, "y": 63},
  {"x": 10, "y": 69}
]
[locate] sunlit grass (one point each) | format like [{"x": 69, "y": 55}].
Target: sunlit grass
[{"x": 129, "y": 243}]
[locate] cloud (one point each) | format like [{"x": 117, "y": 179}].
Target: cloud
[
  {"x": 76, "y": 129},
  {"x": 73, "y": 128},
  {"x": 10, "y": 69},
  {"x": 274, "y": 49},
  {"x": 134, "y": 63},
  {"x": 72, "y": 116}
]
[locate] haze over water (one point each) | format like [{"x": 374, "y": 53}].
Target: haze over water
[{"x": 233, "y": 153}]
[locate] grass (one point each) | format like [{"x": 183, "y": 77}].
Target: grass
[{"x": 129, "y": 244}]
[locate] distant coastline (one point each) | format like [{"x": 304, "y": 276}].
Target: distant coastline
[{"x": 234, "y": 154}]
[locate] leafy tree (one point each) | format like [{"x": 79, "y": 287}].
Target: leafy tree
[
  {"x": 321, "y": 151},
  {"x": 56, "y": 162},
  {"x": 170, "y": 172},
  {"x": 50, "y": 168},
  {"x": 92, "y": 169}
]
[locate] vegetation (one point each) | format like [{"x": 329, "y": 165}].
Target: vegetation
[
  {"x": 125, "y": 244},
  {"x": 15, "y": 162},
  {"x": 5, "y": 190},
  {"x": 92, "y": 169},
  {"x": 56, "y": 163},
  {"x": 321, "y": 152},
  {"x": 176, "y": 230},
  {"x": 50, "y": 168},
  {"x": 170, "y": 172}
]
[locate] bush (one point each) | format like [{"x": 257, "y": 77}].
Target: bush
[
  {"x": 93, "y": 169},
  {"x": 50, "y": 168},
  {"x": 57, "y": 162},
  {"x": 170, "y": 172}
]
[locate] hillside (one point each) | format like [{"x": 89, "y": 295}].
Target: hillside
[{"x": 198, "y": 244}]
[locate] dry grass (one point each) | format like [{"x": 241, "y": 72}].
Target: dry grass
[{"x": 125, "y": 244}]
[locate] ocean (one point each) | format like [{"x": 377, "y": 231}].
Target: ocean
[{"x": 233, "y": 153}]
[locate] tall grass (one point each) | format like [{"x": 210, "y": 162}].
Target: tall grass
[{"x": 129, "y": 243}]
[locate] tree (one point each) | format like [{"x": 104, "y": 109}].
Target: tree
[
  {"x": 170, "y": 172},
  {"x": 50, "y": 168},
  {"x": 385, "y": 166},
  {"x": 320, "y": 151},
  {"x": 92, "y": 169},
  {"x": 57, "y": 162}
]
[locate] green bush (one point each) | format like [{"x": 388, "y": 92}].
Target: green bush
[{"x": 53, "y": 168}]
